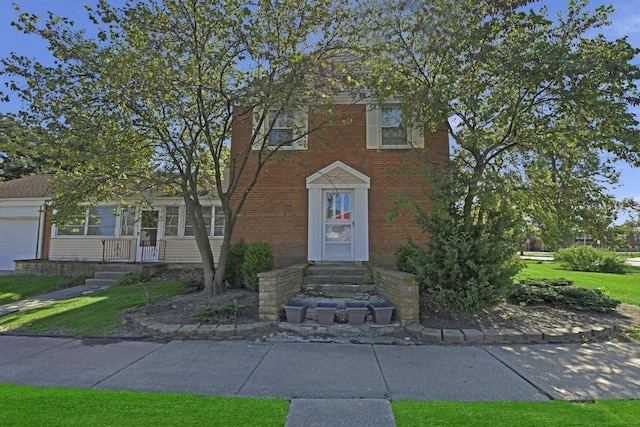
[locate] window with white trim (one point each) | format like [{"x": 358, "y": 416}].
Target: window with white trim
[
  {"x": 218, "y": 222},
  {"x": 284, "y": 128},
  {"x": 386, "y": 130},
  {"x": 178, "y": 224},
  {"x": 127, "y": 221},
  {"x": 171, "y": 221},
  {"x": 97, "y": 221}
]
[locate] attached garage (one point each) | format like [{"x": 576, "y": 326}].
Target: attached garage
[
  {"x": 19, "y": 237},
  {"x": 21, "y": 219}
]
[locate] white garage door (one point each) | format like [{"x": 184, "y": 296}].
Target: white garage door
[{"x": 18, "y": 240}]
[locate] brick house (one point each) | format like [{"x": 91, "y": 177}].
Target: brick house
[
  {"x": 324, "y": 198},
  {"x": 328, "y": 197}
]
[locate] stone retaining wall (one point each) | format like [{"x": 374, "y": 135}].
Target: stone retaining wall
[
  {"x": 55, "y": 268},
  {"x": 401, "y": 290},
  {"x": 69, "y": 268},
  {"x": 278, "y": 287}
]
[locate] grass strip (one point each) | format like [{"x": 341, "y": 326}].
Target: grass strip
[
  {"x": 98, "y": 313},
  {"x": 36, "y": 406},
  {"x": 604, "y": 413},
  {"x": 14, "y": 288},
  {"x": 625, "y": 287}
]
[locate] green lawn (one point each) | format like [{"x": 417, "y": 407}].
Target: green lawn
[
  {"x": 15, "y": 288},
  {"x": 35, "y": 406},
  {"x": 98, "y": 313},
  {"x": 522, "y": 414},
  {"x": 625, "y": 287}
]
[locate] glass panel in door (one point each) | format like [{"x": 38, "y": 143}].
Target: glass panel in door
[
  {"x": 148, "y": 236},
  {"x": 338, "y": 226}
]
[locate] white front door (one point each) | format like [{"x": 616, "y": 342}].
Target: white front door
[
  {"x": 148, "y": 245},
  {"x": 338, "y": 225}
]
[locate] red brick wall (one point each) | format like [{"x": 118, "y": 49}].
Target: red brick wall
[
  {"x": 47, "y": 232},
  {"x": 276, "y": 209}
]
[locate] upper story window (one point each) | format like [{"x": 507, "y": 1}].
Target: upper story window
[
  {"x": 385, "y": 129},
  {"x": 285, "y": 129},
  {"x": 392, "y": 131},
  {"x": 282, "y": 128}
]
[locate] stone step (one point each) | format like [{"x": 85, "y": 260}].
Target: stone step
[
  {"x": 341, "y": 329},
  {"x": 321, "y": 269},
  {"x": 336, "y": 290},
  {"x": 100, "y": 282},
  {"x": 338, "y": 269},
  {"x": 115, "y": 275},
  {"x": 341, "y": 305},
  {"x": 119, "y": 267},
  {"x": 358, "y": 279}
]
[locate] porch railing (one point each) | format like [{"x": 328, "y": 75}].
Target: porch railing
[
  {"x": 152, "y": 250},
  {"x": 116, "y": 249}
]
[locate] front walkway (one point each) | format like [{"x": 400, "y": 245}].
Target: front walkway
[{"x": 329, "y": 384}]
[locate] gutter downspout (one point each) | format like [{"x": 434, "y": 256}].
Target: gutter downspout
[{"x": 40, "y": 243}]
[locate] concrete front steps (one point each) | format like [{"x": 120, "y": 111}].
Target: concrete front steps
[
  {"x": 108, "y": 274},
  {"x": 338, "y": 283}
]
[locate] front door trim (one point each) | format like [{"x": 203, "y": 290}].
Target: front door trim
[{"x": 338, "y": 177}]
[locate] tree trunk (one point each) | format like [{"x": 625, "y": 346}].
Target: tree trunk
[{"x": 218, "y": 279}]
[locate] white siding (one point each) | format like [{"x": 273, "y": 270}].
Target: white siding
[
  {"x": 76, "y": 249},
  {"x": 186, "y": 250}
]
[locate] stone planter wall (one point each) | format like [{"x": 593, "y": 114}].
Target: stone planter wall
[
  {"x": 401, "y": 290},
  {"x": 277, "y": 288}
]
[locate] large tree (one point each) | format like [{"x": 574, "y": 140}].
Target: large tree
[
  {"x": 19, "y": 150},
  {"x": 527, "y": 99},
  {"x": 537, "y": 109},
  {"x": 151, "y": 98}
]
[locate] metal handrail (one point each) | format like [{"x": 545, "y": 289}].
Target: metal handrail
[
  {"x": 116, "y": 249},
  {"x": 152, "y": 250}
]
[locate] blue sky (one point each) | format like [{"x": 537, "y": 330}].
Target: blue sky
[{"x": 625, "y": 22}]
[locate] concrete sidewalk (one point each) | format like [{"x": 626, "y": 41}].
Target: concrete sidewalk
[
  {"x": 48, "y": 298},
  {"x": 353, "y": 383}
]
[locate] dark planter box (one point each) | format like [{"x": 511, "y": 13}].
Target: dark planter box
[
  {"x": 296, "y": 311},
  {"x": 326, "y": 312},
  {"x": 356, "y": 312},
  {"x": 381, "y": 312}
]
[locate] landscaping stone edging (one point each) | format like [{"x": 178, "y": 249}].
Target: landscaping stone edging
[
  {"x": 421, "y": 333},
  {"x": 511, "y": 336},
  {"x": 161, "y": 330}
]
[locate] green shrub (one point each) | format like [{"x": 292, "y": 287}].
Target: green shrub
[
  {"x": 559, "y": 293},
  {"x": 233, "y": 271},
  {"x": 406, "y": 256},
  {"x": 76, "y": 279},
  {"x": 545, "y": 283},
  {"x": 193, "y": 284},
  {"x": 225, "y": 312},
  {"x": 587, "y": 258},
  {"x": 258, "y": 258},
  {"x": 467, "y": 267},
  {"x": 131, "y": 278}
]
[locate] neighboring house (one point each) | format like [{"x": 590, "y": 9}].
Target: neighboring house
[
  {"x": 22, "y": 219},
  {"x": 158, "y": 231},
  {"x": 155, "y": 231},
  {"x": 330, "y": 196}
]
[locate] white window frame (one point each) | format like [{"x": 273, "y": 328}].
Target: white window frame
[
  {"x": 215, "y": 231},
  {"x": 86, "y": 224},
  {"x": 415, "y": 137},
  {"x": 299, "y": 129}
]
